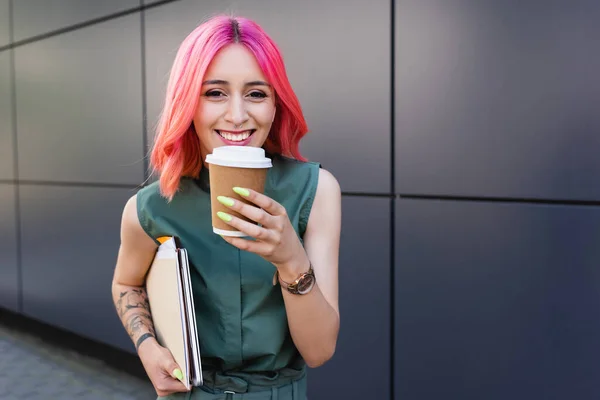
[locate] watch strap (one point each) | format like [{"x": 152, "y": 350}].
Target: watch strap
[{"x": 292, "y": 286}]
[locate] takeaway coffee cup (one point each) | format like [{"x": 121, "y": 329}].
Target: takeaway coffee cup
[{"x": 232, "y": 166}]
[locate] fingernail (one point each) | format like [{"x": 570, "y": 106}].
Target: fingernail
[
  {"x": 224, "y": 216},
  {"x": 178, "y": 374},
  {"x": 225, "y": 200},
  {"x": 241, "y": 191}
]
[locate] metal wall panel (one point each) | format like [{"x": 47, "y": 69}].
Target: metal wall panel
[
  {"x": 496, "y": 301},
  {"x": 9, "y": 281},
  {"x": 345, "y": 93},
  {"x": 36, "y": 17},
  {"x": 4, "y": 22},
  {"x": 6, "y": 119},
  {"x": 360, "y": 366},
  {"x": 70, "y": 240},
  {"x": 498, "y": 98},
  {"x": 79, "y": 102}
]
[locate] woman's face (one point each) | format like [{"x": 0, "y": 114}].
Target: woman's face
[{"x": 237, "y": 104}]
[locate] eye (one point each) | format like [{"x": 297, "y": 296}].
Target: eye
[
  {"x": 214, "y": 93},
  {"x": 257, "y": 95}
]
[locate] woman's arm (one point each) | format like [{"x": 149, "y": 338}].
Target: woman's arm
[
  {"x": 129, "y": 293},
  {"x": 313, "y": 318},
  {"x": 136, "y": 253}
]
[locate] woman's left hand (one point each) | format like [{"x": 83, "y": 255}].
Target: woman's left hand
[{"x": 276, "y": 240}]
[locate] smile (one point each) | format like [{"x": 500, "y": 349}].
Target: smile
[{"x": 238, "y": 137}]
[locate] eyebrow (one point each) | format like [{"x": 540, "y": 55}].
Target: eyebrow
[{"x": 222, "y": 82}]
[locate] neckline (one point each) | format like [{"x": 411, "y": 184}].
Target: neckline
[{"x": 203, "y": 180}]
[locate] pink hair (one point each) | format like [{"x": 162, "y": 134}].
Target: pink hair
[{"x": 176, "y": 150}]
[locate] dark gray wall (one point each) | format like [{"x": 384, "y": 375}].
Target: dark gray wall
[
  {"x": 79, "y": 96},
  {"x": 4, "y": 23},
  {"x": 6, "y": 118},
  {"x": 464, "y": 135},
  {"x": 9, "y": 269},
  {"x": 497, "y": 133},
  {"x": 496, "y": 300},
  {"x": 360, "y": 367},
  {"x": 37, "y": 17},
  {"x": 69, "y": 235},
  {"x": 498, "y": 98}
]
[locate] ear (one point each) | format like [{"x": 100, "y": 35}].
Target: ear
[{"x": 274, "y": 113}]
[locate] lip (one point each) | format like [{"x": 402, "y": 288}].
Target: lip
[{"x": 237, "y": 143}]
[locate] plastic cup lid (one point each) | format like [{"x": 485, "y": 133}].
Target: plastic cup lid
[{"x": 239, "y": 157}]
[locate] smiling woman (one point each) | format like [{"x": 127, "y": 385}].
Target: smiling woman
[
  {"x": 267, "y": 303},
  {"x": 225, "y": 71},
  {"x": 235, "y": 95}
]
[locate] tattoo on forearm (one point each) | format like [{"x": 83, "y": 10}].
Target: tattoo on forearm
[
  {"x": 138, "y": 321},
  {"x": 138, "y": 324},
  {"x": 130, "y": 299}
]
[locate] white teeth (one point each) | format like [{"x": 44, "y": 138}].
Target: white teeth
[
  {"x": 244, "y": 135},
  {"x": 235, "y": 137}
]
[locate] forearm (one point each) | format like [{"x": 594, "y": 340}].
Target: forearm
[
  {"x": 314, "y": 325},
  {"x": 313, "y": 322},
  {"x": 133, "y": 309}
]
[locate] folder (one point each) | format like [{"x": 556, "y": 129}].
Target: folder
[{"x": 169, "y": 290}]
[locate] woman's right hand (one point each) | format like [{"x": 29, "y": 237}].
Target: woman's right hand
[{"x": 161, "y": 368}]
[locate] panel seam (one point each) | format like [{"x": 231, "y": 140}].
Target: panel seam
[
  {"x": 16, "y": 188},
  {"x": 497, "y": 199},
  {"x": 392, "y": 226},
  {"x": 145, "y": 152}
]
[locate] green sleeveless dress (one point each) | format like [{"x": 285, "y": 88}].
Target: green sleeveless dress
[{"x": 246, "y": 348}]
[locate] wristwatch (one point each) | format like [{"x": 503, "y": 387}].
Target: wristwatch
[{"x": 302, "y": 285}]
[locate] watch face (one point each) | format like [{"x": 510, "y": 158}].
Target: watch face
[{"x": 305, "y": 283}]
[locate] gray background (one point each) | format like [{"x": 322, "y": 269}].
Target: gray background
[{"x": 465, "y": 136}]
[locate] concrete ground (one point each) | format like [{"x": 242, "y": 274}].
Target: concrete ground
[{"x": 34, "y": 367}]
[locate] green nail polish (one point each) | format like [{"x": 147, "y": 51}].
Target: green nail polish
[
  {"x": 224, "y": 216},
  {"x": 241, "y": 191},
  {"x": 225, "y": 200},
  {"x": 178, "y": 374}
]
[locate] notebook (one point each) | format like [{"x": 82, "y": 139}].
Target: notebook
[{"x": 169, "y": 289}]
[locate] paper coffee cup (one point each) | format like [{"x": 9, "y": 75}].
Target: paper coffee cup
[{"x": 232, "y": 166}]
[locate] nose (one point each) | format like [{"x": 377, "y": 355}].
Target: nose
[{"x": 236, "y": 111}]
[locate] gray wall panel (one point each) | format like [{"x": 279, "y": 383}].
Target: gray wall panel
[
  {"x": 4, "y": 23},
  {"x": 79, "y": 102},
  {"x": 6, "y": 118},
  {"x": 9, "y": 281},
  {"x": 498, "y": 98},
  {"x": 360, "y": 367},
  {"x": 496, "y": 301},
  {"x": 35, "y": 17},
  {"x": 345, "y": 94},
  {"x": 70, "y": 239}
]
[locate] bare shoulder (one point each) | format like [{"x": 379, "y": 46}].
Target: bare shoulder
[
  {"x": 136, "y": 250},
  {"x": 328, "y": 187},
  {"x": 130, "y": 219},
  {"x": 326, "y": 205},
  {"x": 132, "y": 232}
]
